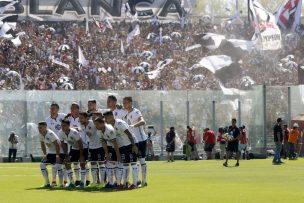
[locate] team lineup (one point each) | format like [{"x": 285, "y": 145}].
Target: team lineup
[{"x": 106, "y": 141}]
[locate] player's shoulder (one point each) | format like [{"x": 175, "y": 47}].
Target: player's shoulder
[
  {"x": 47, "y": 119},
  {"x": 61, "y": 116},
  {"x": 74, "y": 131},
  {"x": 51, "y": 133},
  {"x": 119, "y": 122},
  {"x": 109, "y": 127}
]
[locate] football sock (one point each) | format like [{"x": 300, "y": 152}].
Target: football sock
[
  {"x": 54, "y": 173},
  {"x": 60, "y": 173},
  {"x": 135, "y": 173},
  {"x": 102, "y": 172},
  {"x": 94, "y": 170},
  {"x": 77, "y": 171},
  {"x": 44, "y": 173},
  {"x": 83, "y": 175},
  {"x": 143, "y": 170},
  {"x": 70, "y": 175}
]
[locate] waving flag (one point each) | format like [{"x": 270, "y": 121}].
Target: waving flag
[
  {"x": 267, "y": 33},
  {"x": 81, "y": 58},
  {"x": 6, "y": 7},
  {"x": 133, "y": 33},
  {"x": 101, "y": 26},
  {"x": 288, "y": 15}
]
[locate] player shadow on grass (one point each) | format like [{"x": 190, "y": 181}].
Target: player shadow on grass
[{"x": 89, "y": 189}]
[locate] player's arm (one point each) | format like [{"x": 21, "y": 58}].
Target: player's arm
[
  {"x": 134, "y": 148},
  {"x": 43, "y": 148},
  {"x": 64, "y": 147},
  {"x": 105, "y": 148},
  {"x": 238, "y": 137},
  {"x": 141, "y": 121},
  {"x": 80, "y": 145},
  {"x": 57, "y": 147},
  {"x": 116, "y": 150}
]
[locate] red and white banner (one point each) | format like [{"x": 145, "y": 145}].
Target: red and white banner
[{"x": 288, "y": 16}]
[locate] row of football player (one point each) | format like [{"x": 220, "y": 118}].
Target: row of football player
[{"x": 114, "y": 138}]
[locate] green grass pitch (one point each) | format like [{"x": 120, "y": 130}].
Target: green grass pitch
[{"x": 181, "y": 181}]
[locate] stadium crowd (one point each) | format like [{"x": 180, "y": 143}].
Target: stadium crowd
[{"x": 109, "y": 68}]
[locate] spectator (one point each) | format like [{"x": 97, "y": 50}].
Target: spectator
[
  {"x": 150, "y": 151},
  {"x": 243, "y": 142},
  {"x": 278, "y": 138},
  {"x": 222, "y": 143},
  {"x": 209, "y": 139},
  {"x": 170, "y": 148},
  {"x": 292, "y": 140},
  {"x": 192, "y": 142},
  {"x": 285, "y": 141},
  {"x": 32, "y": 58},
  {"x": 192, "y": 135},
  {"x": 13, "y": 143}
]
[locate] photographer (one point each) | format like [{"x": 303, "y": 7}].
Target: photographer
[{"x": 13, "y": 142}]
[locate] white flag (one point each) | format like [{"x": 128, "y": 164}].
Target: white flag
[
  {"x": 216, "y": 38},
  {"x": 4, "y": 8},
  {"x": 87, "y": 26},
  {"x": 231, "y": 91},
  {"x": 81, "y": 58},
  {"x": 5, "y": 28},
  {"x": 267, "y": 32},
  {"x": 133, "y": 33},
  {"x": 196, "y": 46},
  {"x": 215, "y": 63},
  {"x": 243, "y": 44},
  {"x": 122, "y": 49},
  {"x": 288, "y": 15},
  {"x": 16, "y": 41}
]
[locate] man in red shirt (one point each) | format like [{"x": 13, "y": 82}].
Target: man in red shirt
[
  {"x": 286, "y": 132},
  {"x": 209, "y": 139},
  {"x": 243, "y": 142},
  {"x": 192, "y": 142}
]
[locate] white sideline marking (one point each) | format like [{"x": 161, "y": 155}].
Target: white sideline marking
[
  {"x": 13, "y": 167},
  {"x": 18, "y": 175}
]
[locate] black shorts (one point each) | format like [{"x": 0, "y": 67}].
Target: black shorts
[
  {"x": 112, "y": 154},
  {"x": 170, "y": 147},
  {"x": 126, "y": 154},
  {"x": 208, "y": 147},
  {"x": 97, "y": 154},
  {"x": 51, "y": 158},
  {"x": 86, "y": 154},
  {"x": 142, "y": 149},
  {"x": 74, "y": 155},
  {"x": 233, "y": 146}
]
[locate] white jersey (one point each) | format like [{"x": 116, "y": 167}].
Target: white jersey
[
  {"x": 109, "y": 135},
  {"x": 103, "y": 110},
  {"x": 122, "y": 138},
  {"x": 139, "y": 133},
  {"x": 72, "y": 138},
  {"x": 120, "y": 114},
  {"x": 92, "y": 135},
  {"x": 49, "y": 140},
  {"x": 74, "y": 122},
  {"x": 55, "y": 124}
]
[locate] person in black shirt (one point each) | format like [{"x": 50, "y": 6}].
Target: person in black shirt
[
  {"x": 278, "y": 138},
  {"x": 170, "y": 139},
  {"x": 233, "y": 144}
]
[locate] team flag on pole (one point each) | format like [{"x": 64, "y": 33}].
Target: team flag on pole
[
  {"x": 288, "y": 15},
  {"x": 267, "y": 33},
  {"x": 81, "y": 58}
]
